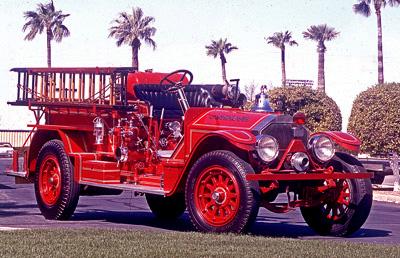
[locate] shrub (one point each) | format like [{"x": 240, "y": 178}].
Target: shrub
[
  {"x": 375, "y": 118},
  {"x": 321, "y": 111}
]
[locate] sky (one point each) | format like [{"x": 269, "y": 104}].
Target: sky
[{"x": 184, "y": 27}]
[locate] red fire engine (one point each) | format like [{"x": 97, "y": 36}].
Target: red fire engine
[{"x": 104, "y": 130}]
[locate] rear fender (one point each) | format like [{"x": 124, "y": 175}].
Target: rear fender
[
  {"x": 39, "y": 138},
  {"x": 74, "y": 141},
  {"x": 345, "y": 140}
]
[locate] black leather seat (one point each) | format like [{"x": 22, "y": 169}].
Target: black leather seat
[{"x": 158, "y": 96}]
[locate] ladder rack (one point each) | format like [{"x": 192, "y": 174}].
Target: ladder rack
[{"x": 103, "y": 86}]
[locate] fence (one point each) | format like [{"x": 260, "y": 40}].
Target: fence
[{"x": 15, "y": 137}]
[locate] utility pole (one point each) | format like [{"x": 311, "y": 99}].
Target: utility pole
[{"x": 394, "y": 164}]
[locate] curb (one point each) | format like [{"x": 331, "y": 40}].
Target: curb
[{"x": 386, "y": 196}]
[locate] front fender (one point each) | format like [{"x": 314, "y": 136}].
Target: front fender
[
  {"x": 345, "y": 140},
  {"x": 235, "y": 136},
  {"x": 240, "y": 139}
]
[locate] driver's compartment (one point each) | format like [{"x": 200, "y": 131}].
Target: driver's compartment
[
  {"x": 173, "y": 95},
  {"x": 160, "y": 95}
]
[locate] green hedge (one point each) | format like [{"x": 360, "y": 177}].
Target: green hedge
[
  {"x": 322, "y": 112},
  {"x": 375, "y": 119}
]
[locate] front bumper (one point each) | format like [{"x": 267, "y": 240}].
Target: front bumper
[{"x": 306, "y": 176}]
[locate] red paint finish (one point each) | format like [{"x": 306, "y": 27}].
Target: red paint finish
[
  {"x": 299, "y": 118},
  {"x": 308, "y": 176},
  {"x": 50, "y": 180},
  {"x": 147, "y": 78},
  {"x": 229, "y": 119},
  {"x": 98, "y": 171},
  {"x": 217, "y": 195},
  {"x": 336, "y": 208}
]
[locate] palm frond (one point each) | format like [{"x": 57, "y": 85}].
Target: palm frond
[
  {"x": 131, "y": 28},
  {"x": 45, "y": 17},
  {"x": 362, "y": 8},
  {"x": 150, "y": 42},
  {"x": 393, "y": 3},
  {"x": 279, "y": 39},
  {"x": 59, "y": 32},
  {"x": 219, "y": 47},
  {"x": 320, "y": 34}
]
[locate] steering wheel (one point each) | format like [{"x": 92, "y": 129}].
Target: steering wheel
[{"x": 174, "y": 82}]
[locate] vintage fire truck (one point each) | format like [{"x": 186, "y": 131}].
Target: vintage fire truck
[{"x": 104, "y": 130}]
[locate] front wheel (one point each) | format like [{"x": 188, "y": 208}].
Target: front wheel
[
  {"x": 57, "y": 193},
  {"x": 347, "y": 207},
  {"x": 218, "y": 196}
]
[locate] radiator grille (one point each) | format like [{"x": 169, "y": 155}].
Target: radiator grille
[{"x": 283, "y": 133}]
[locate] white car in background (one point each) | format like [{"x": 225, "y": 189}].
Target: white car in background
[{"x": 6, "y": 149}]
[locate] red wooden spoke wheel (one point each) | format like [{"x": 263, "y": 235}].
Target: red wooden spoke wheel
[
  {"x": 56, "y": 190},
  {"x": 344, "y": 208},
  {"x": 50, "y": 180},
  {"x": 337, "y": 207},
  {"x": 217, "y": 195}
]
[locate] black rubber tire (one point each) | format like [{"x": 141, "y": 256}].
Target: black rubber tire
[
  {"x": 167, "y": 208},
  {"x": 357, "y": 211},
  {"x": 67, "y": 201},
  {"x": 249, "y": 192}
]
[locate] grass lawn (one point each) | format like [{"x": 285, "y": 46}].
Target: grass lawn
[{"x": 124, "y": 243}]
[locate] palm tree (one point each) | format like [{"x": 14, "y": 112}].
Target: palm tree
[
  {"x": 46, "y": 18},
  {"x": 220, "y": 48},
  {"x": 364, "y": 8},
  {"x": 279, "y": 40},
  {"x": 132, "y": 29},
  {"x": 320, "y": 34}
]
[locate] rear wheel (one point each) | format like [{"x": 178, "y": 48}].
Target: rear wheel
[
  {"x": 218, "y": 196},
  {"x": 57, "y": 193},
  {"x": 347, "y": 207},
  {"x": 166, "y": 208}
]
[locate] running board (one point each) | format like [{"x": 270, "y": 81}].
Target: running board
[
  {"x": 129, "y": 187},
  {"x": 23, "y": 174}
]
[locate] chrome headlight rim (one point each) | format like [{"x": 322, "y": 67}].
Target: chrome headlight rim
[
  {"x": 261, "y": 150},
  {"x": 312, "y": 144}
]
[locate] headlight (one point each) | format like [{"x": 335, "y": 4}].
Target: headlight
[
  {"x": 267, "y": 148},
  {"x": 322, "y": 148}
]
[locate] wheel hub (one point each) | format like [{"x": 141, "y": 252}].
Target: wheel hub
[
  {"x": 53, "y": 180},
  {"x": 219, "y": 196}
]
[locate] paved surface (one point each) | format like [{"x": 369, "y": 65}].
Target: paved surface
[{"x": 18, "y": 210}]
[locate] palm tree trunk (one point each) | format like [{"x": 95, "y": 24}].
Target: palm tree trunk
[
  {"x": 321, "y": 70},
  {"x": 135, "y": 58},
  {"x": 48, "y": 48},
  {"x": 380, "y": 48},
  {"x": 223, "y": 61},
  {"x": 283, "y": 67}
]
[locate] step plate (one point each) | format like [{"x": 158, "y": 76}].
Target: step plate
[
  {"x": 129, "y": 187},
  {"x": 16, "y": 173}
]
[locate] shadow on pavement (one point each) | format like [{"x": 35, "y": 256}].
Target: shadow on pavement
[
  {"x": 267, "y": 227},
  {"x": 134, "y": 218},
  {"x": 5, "y": 187}
]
